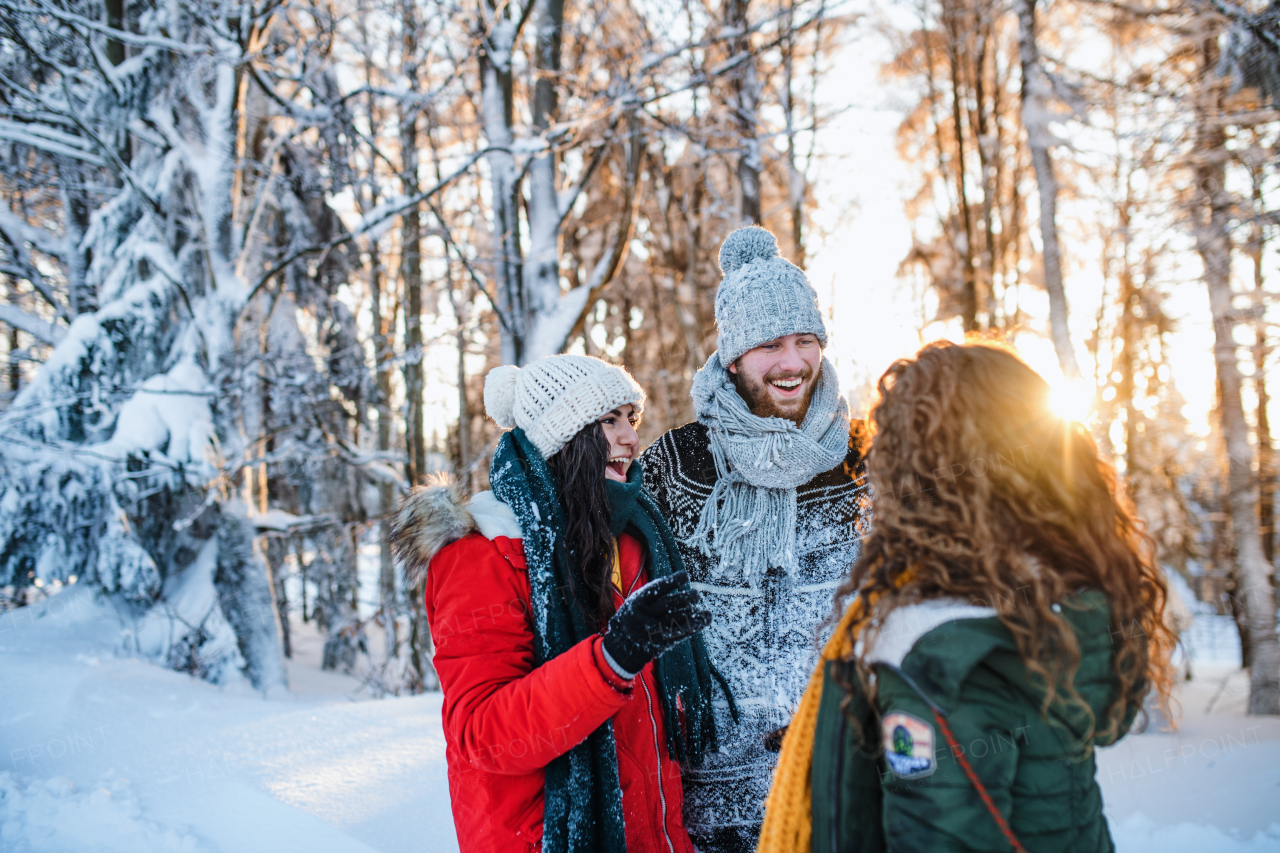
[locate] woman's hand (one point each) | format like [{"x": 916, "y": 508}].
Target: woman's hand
[{"x": 652, "y": 620}]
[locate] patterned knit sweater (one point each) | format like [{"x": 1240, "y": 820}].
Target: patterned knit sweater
[{"x": 763, "y": 642}]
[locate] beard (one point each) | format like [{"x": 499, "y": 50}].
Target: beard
[{"x": 755, "y": 391}]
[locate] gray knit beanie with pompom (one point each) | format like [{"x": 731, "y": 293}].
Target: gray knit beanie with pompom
[{"x": 762, "y": 296}]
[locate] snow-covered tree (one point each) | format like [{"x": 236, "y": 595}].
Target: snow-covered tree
[
  {"x": 1253, "y": 61},
  {"x": 183, "y": 399},
  {"x": 112, "y": 453}
]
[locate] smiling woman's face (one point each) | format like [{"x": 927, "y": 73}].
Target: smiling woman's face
[{"x": 620, "y": 429}]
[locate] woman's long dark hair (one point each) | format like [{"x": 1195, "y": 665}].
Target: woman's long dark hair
[{"x": 579, "y": 472}]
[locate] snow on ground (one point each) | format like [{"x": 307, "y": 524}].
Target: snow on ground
[
  {"x": 107, "y": 753},
  {"x": 1213, "y": 784},
  {"x": 100, "y": 752}
]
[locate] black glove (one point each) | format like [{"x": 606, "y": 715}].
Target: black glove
[
  {"x": 773, "y": 740},
  {"x": 654, "y": 618}
]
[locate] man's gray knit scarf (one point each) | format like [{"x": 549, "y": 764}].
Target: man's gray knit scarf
[{"x": 759, "y": 464}]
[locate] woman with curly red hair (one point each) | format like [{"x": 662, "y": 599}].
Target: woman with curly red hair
[{"x": 1005, "y": 618}]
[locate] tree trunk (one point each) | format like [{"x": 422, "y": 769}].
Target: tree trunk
[
  {"x": 420, "y": 645},
  {"x": 969, "y": 300},
  {"x": 1127, "y": 362},
  {"x": 15, "y": 343},
  {"x": 242, "y": 583},
  {"x": 986, "y": 152},
  {"x": 386, "y": 490},
  {"x": 115, "y": 20},
  {"x": 1261, "y": 355},
  {"x": 15, "y": 366},
  {"x": 384, "y": 324},
  {"x": 542, "y": 265},
  {"x": 1212, "y": 223},
  {"x": 537, "y": 319},
  {"x": 464, "y": 415},
  {"x": 1035, "y": 119},
  {"x": 498, "y": 116},
  {"x": 462, "y": 471},
  {"x": 411, "y": 258},
  {"x": 1004, "y": 163},
  {"x": 1266, "y": 466},
  {"x": 275, "y": 549},
  {"x": 1014, "y": 241},
  {"x": 1129, "y": 331},
  {"x": 116, "y": 54},
  {"x": 936, "y": 119},
  {"x": 746, "y": 96},
  {"x": 796, "y": 188},
  {"x": 688, "y": 295},
  {"x": 78, "y": 208}
]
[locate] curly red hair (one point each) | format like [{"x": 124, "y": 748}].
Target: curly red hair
[{"x": 984, "y": 494}]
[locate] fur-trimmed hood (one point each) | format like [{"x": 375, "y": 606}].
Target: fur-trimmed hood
[
  {"x": 904, "y": 626},
  {"x": 437, "y": 515}
]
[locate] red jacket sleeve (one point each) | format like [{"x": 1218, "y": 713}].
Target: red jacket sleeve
[{"x": 503, "y": 713}]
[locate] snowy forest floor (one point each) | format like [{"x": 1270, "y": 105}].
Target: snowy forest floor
[{"x": 105, "y": 752}]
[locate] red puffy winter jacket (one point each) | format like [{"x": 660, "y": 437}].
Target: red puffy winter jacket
[{"x": 505, "y": 718}]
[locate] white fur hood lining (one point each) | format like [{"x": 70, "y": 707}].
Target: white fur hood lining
[
  {"x": 904, "y": 627},
  {"x": 494, "y": 518}
]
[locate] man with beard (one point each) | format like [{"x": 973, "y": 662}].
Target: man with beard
[{"x": 767, "y": 496}]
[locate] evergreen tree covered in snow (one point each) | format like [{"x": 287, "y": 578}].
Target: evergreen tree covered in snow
[{"x": 134, "y": 459}]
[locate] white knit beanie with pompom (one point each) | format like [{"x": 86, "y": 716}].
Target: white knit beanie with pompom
[
  {"x": 552, "y": 398},
  {"x": 762, "y": 297}
]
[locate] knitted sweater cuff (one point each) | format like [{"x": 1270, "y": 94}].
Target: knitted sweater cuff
[{"x": 615, "y": 666}]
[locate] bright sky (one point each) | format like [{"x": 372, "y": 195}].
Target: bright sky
[
  {"x": 860, "y": 206},
  {"x": 876, "y": 316}
]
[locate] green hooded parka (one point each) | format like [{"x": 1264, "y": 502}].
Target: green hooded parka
[{"x": 913, "y": 795}]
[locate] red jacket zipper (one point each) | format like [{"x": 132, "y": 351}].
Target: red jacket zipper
[{"x": 657, "y": 748}]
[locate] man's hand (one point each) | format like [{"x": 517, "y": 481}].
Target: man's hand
[{"x": 652, "y": 620}]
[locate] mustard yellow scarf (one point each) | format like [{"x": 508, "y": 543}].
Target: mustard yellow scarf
[{"x": 788, "y": 818}]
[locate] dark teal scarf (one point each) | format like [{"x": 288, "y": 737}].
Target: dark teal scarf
[
  {"x": 686, "y": 670},
  {"x": 583, "y": 801}
]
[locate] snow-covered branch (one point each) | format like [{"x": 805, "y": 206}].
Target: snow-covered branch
[
  {"x": 16, "y": 233},
  {"x": 51, "y": 11},
  {"x": 41, "y": 330},
  {"x": 370, "y": 224},
  {"x": 47, "y": 139}
]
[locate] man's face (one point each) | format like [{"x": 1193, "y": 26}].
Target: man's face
[{"x": 777, "y": 378}]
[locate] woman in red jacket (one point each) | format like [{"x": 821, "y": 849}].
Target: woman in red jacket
[{"x": 565, "y": 630}]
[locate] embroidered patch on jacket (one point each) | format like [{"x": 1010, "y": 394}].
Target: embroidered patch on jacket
[{"x": 908, "y": 746}]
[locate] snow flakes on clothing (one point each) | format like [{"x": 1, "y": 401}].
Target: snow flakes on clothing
[{"x": 763, "y": 641}]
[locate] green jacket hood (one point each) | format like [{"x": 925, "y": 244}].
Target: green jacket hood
[{"x": 937, "y": 643}]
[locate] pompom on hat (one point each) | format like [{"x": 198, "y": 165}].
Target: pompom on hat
[
  {"x": 551, "y": 399},
  {"x": 762, "y": 297},
  {"x": 745, "y": 245}
]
